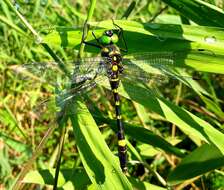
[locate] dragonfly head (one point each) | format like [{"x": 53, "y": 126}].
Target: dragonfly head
[{"x": 108, "y": 37}]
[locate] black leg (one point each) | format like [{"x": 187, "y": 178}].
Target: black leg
[
  {"x": 121, "y": 34},
  {"x": 92, "y": 44},
  {"x": 125, "y": 45},
  {"x": 96, "y": 38}
]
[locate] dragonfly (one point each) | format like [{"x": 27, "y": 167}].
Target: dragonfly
[{"x": 86, "y": 73}]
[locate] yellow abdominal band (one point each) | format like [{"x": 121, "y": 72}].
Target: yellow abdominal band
[
  {"x": 119, "y": 117},
  {"x": 114, "y": 79},
  {"x": 122, "y": 143},
  {"x": 117, "y": 103},
  {"x": 115, "y": 90}
]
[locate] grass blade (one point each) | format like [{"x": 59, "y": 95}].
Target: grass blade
[
  {"x": 203, "y": 159},
  {"x": 101, "y": 166},
  {"x": 199, "y": 11}
]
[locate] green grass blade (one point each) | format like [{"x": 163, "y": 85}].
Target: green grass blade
[
  {"x": 199, "y": 11},
  {"x": 85, "y": 27},
  {"x": 18, "y": 146},
  {"x": 203, "y": 159},
  {"x": 182, "y": 39},
  {"x": 163, "y": 32},
  {"x": 65, "y": 181},
  {"x": 143, "y": 185},
  {"x": 148, "y": 137},
  {"x": 12, "y": 25},
  {"x": 43, "y": 177},
  {"x": 100, "y": 164},
  {"x": 129, "y": 10},
  {"x": 190, "y": 124}
]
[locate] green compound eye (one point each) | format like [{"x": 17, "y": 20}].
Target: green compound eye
[
  {"x": 114, "y": 38},
  {"x": 105, "y": 39}
]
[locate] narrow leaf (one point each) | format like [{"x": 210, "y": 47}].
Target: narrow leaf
[{"x": 203, "y": 159}]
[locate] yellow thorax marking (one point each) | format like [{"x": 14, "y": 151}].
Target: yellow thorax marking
[
  {"x": 105, "y": 50},
  {"x": 114, "y": 58},
  {"x": 114, "y": 52},
  {"x": 122, "y": 143},
  {"x": 114, "y": 68}
]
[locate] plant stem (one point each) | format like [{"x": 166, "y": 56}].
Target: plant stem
[
  {"x": 25, "y": 22},
  {"x": 86, "y": 27},
  {"x": 39, "y": 39}
]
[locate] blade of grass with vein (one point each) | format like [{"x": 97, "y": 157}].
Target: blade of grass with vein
[
  {"x": 161, "y": 31},
  {"x": 190, "y": 124},
  {"x": 129, "y": 10},
  {"x": 100, "y": 164},
  {"x": 199, "y": 11},
  {"x": 12, "y": 25},
  {"x": 201, "y": 160},
  {"x": 198, "y": 47},
  {"x": 146, "y": 136},
  {"x": 19, "y": 182}
]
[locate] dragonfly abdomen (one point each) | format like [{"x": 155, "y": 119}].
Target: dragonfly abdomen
[{"x": 122, "y": 147}]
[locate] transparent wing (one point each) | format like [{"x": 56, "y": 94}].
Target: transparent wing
[
  {"x": 60, "y": 100},
  {"x": 144, "y": 66},
  {"x": 153, "y": 66},
  {"x": 58, "y": 104},
  {"x": 50, "y": 71},
  {"x": 86, "y": 73},
  {"x": 153, "y": 57}
]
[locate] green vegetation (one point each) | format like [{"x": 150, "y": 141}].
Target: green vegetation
[{"x": 174, "y": 129}]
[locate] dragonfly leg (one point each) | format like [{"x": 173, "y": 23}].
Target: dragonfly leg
[
  {"x": 96, "y": 38},
  {"x": 92, "y": 44},
  {"x": 98, "y": 45},
  {"x": 85, "y": 31},
  {"x": 121, "y": 34}
]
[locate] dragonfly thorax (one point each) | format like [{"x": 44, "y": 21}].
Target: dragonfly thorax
[
  {"x": 111, "y": 53},
  {"x": 113, "y": 60}
]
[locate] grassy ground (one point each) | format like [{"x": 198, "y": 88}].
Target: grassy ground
[{"x": 161, "y": 134}]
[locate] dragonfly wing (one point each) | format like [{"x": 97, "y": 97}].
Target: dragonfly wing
[
  {"x": 153, "y": 66},
  {"x": 59, "y": 102},
  {"x": 51, "y": 73},
  {"x": 40, "y": 72},
  {"x": 151, "y": 58},
  {"x": 85, "y": 73}
]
